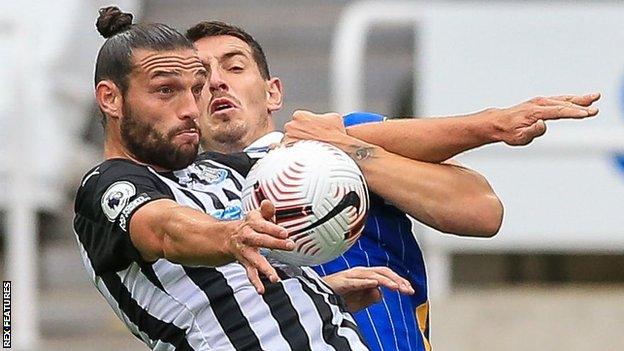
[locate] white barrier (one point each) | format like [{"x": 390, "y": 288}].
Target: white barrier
[{"x": 37, "y": 131}]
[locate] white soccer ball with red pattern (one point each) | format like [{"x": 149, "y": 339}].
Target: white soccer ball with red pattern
[{"x": 320, "y": 197}]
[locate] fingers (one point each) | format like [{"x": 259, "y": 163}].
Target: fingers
[
  {"x": 254, "y": 277},
  {"x": 565, "y": 110},
  {"x": 305, "y": 114},
  {"x": 259, "y": 224},
  {"x": 564, "y": 106},
  {"x": 256, "y": 264},
  {"x": 354, "y": 284},
  {"x": 581, "y": 100},
  {"x": 391, "y": 280},
  {"x": 288, "y": 140},
  {"x": 384, "y": 276},
  {"x": 536, "y": 130},
  {"x": 274, "y": 146},
  {"x": 267, "y": 210},
  {"x": 265, "y": 241}
]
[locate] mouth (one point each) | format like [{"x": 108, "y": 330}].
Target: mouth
[
  {"x": 221, "y": 105},
  {"x": 190, "y": 135},
  {"x": 189, "y": 131}
]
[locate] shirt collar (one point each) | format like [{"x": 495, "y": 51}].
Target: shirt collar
[{"x": 265, "y": 140}]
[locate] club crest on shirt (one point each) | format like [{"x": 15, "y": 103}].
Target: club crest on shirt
[
  {"x": 232, "y": 212},
  {"x": 200, "y": 175},
  {"x": 115, "y": 198}
]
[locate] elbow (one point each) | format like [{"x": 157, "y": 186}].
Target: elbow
[
  {"x": 483, "y": 219},
  {"x": 490, "y": 216}
]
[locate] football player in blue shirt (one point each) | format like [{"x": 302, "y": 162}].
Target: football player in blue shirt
[{"x": 404, "y": 163}]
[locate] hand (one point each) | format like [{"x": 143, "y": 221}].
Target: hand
[
  {"x": 520, "y": 124},
  {"x": 307, "y": 125},
  {"x": 359, "y": 286},
  {"x": 258, "y": 230}
]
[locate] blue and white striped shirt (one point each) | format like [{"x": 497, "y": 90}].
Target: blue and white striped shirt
[{"x": 398, "y": 322}]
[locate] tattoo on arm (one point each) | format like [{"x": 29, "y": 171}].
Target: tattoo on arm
[{"x": 362, "y": 152}]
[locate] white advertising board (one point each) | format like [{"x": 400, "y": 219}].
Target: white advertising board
[{"x": 565, "y": 191}]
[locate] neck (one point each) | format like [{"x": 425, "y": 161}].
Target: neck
[{"x": 225, "y": 148}]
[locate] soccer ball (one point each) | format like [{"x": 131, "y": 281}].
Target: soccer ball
[{"x": 320, "y": 197}]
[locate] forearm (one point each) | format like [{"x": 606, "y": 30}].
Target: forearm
[
  {"x": 194, "y": 238},
  {"x": 446, "y": 197},
  {"x": 181, "y": 234},
  {"x": 431, "y": 139}
]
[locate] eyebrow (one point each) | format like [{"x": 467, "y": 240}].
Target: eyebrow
[
  {"x": 162, "y": 73},
  {"x": 229, "y": 55},
  {"x": 201, "y": 71}
]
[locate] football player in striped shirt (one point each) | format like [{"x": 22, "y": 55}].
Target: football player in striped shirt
[
  {"x": 403, "y": 162},
  {"x": 179, "y": 278}
]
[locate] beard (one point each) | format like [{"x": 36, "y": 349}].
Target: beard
[
  {"x": 152, "y": 147},
  {"x": 231, "y": 133}
]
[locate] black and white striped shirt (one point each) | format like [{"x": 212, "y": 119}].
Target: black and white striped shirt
[{"x": 174, "y": 307}]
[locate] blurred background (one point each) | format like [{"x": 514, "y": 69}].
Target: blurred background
[{"x": 553, "y": 278}]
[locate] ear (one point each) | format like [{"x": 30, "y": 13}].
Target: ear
[
  {"x": 109, "y": 99},
  {"x": 274, "y": 94}
]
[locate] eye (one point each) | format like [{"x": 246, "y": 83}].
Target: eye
[
  {"x": 236, "y": 69},
  {"x": 197, "y": 90},
  {"x": 165, "y": 90}
]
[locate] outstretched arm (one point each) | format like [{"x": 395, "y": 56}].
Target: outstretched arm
[
  {"x": 165, "y": 229},
  {"x": 447, "y": 197},
  {"x": 438, "y": 139}
]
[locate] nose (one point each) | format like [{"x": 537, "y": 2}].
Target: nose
[
  {"x": 189, "y": 107},
  {"x": 217, "y": 81}
]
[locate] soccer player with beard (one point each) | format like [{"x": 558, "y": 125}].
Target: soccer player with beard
[
  {"x": 407, "y": 154},
  {"x": 176, "y": 276}
]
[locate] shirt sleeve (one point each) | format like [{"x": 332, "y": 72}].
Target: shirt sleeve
[
  {"x": 356, "y": 118},
  {"x": 105, "y": 203}
]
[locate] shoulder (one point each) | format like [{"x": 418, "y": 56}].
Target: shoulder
[
  {"x": 110, "y": 185},
  {"x": 114, "y": 171},
  {"x": 355, "y": 118}
]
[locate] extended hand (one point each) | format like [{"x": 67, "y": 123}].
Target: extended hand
[
  {"x": 520, "y": 124},
  {"x": 256, "y": 231},
  {"x": 359, "y": 286},
  {"x": 306, "y": 125}
]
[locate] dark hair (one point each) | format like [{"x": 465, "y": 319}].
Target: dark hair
[
  {"x": 114, "y": 61},
  {"x": 207, "y": 29}
]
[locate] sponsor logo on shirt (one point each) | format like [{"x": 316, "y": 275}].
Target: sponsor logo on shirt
[{"x": 232, "y": 212}]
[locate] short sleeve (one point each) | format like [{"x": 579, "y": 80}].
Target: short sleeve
[
  {"x": 108, "y": 197},
  {"x": 356, "y": 118}
]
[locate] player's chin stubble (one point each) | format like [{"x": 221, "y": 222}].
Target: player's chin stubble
[
  {"x": 150, "y": 146},
  {"x": 231, "y": 133}
]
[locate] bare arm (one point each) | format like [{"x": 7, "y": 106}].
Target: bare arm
[
  {"x": 438, "y": 139},
  {"x": 446, "y": 197},
  {"x": 164, "y": 229}
]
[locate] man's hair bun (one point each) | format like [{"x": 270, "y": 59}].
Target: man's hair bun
[{"x": 112, "y": 21}]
